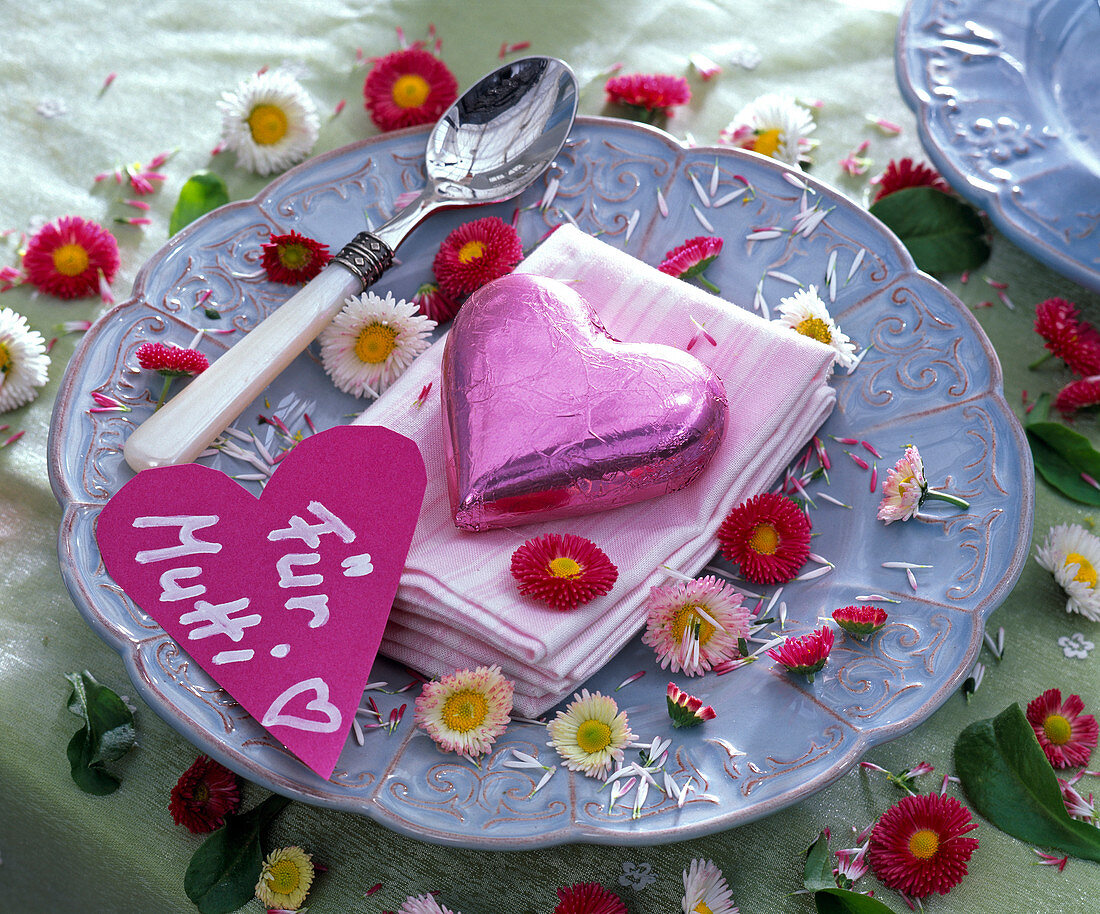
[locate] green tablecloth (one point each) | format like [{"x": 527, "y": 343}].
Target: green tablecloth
[{"x": 64, "y": 850}]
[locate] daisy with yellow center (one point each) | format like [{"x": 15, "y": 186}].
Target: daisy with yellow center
[
  {"x": 774, "y": 125},
  {"x": 408, "y": 87},
  {"x": 694, "y": 625},
  {"x": 1072, "y": 555},
  {"x": 805, "y": 313},
  {"x": 23, "y": 361},
  {"x": 590, "y": 734},
  {"x": 1066, "y": 734},
  {"x": 466, "y": 711},
  {"x": 269, "y": 121},
  {"x": 706, "y": 890},
  {"x": 285, "y": 879},
  {"x": 372, "y": 341}
]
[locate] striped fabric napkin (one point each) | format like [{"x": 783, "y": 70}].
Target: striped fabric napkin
[{"x": 458, "y": 607}]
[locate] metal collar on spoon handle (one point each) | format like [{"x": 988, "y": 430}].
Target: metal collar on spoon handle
[{"x": 489, "y": 146}]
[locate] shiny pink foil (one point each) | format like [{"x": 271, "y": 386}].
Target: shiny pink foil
[{"x": 547, "y": 416}]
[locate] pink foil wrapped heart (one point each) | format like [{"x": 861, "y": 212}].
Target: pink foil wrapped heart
[{"x": 548, "y": 416}]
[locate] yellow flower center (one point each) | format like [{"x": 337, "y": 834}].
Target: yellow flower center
[
  {"x": 593, "y": 735},
  {"x": 1058, "y": 730},
  {"x": 410, "y": 91},
  {"x": 471, "y": 251},
  {"x": 816, "y": 329},
  {"x": 465, "y": 710},
  {"x": 295, "y": 256},
  {"x": 924, "y": 844},
  {"x": 1086, "y": 574},
  {"x": 701, "y": 908},
  {"x": 764, "y": 539},
  {"x": 70, "y": 259},
  {"x": 268, "y": 124},
  {"x": 283, "y": 877},
  {"x": 767, "y": 141},
  {"x": 375, "y": 343},
  {"x": 687, "y": 619},
  {"x": 5, "y": 359},
  {"x": 564, "y": 567}
]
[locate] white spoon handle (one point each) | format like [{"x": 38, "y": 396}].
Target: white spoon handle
[{"x": 180, "y": 430}]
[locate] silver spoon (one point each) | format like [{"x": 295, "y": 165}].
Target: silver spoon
[{"x": 489, "y": 146}]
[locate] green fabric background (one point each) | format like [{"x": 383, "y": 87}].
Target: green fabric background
[{"x": 63, "y": 850}]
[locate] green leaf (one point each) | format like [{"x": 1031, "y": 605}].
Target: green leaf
[
  {"x": 223, "y": 872},
  {"x": 107, "y": 734},
  {"x": 1008, "y": 779},
  {"x": 1061, "y": 456},
  {"x": 943, "y": 233},
  {"x": 203, "y": 192},
  {"x": 841, "y": 901},
  {"x": 819, "y": 866}
]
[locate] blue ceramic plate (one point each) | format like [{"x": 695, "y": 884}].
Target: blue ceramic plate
[
  {"x": 1007, "y": 98},
  {"x": 929, "y": 377}
]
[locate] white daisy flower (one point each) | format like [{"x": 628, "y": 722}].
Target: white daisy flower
[
  {"x": 23, "y": 361},
  {"x": 270, "y": 121},
  {"x": 774, "y": 125},
  {"x": 590, "y": 734},
  {"x": 423, "y": 904},
  {"x": 372, "y": 341},
  {"x": 805, "y": 313},
  {"x": 706, "y": 890},
  {"x": 1072, "y": 555}
]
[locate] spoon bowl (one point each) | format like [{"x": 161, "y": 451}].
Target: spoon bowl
[{"x": 490, "y": 145}]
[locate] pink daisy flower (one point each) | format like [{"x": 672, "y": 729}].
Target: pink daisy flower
[
  {"x": 904, "y": 488},
  {"x": 1076, "y": 395},
  {"x": 434, "y": 303},
  {"x": 695, "y": 625},
  {"x": 1066, "y": 734},
  {"x": 654, "y": 94},
  {"x": 1074, "y": 341},
  {"x": 71, "y": 258},
  {"x": 204, "y": 795},
  {"x": 806, "y": 655},
  {"x": 171, "y": 361},
  {"x": 690, "y": 259},
  {"x": 860, "y": 621},
  {"x": 563, "y": 570},
  {"x": 588, "y": 898},
  {"x": 292, "y": 258},
  {"x": 768, "y": 536},
  {"x": 903, "y": 173},
  {"x": 408, "y": 87},
  {"x": 466, "y": 711},
  {"x": 918, "y": 847},
  {"x": 476, "y": 253},
  {"x": 686, "y": 710}
]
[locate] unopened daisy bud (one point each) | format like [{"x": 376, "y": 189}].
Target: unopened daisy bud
[
  {"x": 686, "y": 710},
  {"x": 860, "y": 621}
]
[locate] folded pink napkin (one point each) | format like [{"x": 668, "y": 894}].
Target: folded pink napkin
[{"x": 458, "y": 606}]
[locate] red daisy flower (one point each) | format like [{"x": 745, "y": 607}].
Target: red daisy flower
[
  {"x": 690, "y": 259},
  {"x": 204, "y": 795},
  {"x": 476, "y": 253},
  {"x": 655, "y": 93},
  {"x": 903, "y": 173},
  {"x": 171, "y": 361},
  {"x": 434, "y": 303},
  {"x": 1067, "y": 735},
  {"x": 768, "y": 536},
  {"x": 686, "y": 710},
  {"x": 563, "y": 570},
  {"x": 588, "y": 898},
  {"x": 1074, "y": 341},
  {"x": 805, "y": 655},
  {"x": 860, "y": 621},
  {"x": 71, "y": 258},
  {"x": 408, "y": 87},
  {"x": 1077, "y": 395},
  {"x": 917, "y": 846},
  {"x": 293, "y": 258}
]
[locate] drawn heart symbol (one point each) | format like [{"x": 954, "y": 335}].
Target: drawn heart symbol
[
  {"x": 546, "y": 415},
  {"x": 281, "y": 599}
]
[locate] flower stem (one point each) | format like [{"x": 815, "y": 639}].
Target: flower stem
[
  {"x": 163, "y": 392},
  {"x": 1039, "y": 361},
  {"x": 950, "y": 499},
  {"x": 707, "y": 284}
]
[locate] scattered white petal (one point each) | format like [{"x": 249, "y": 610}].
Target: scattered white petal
[{"x": 729, "y": 198}]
